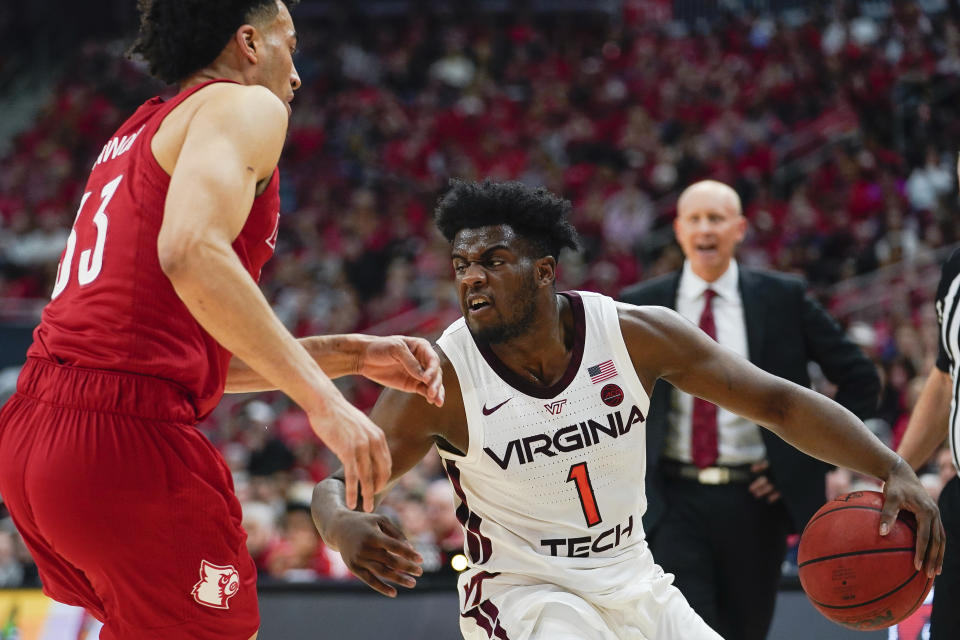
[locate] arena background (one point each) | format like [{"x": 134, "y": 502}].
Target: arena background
[{"x": 836, "y": 122}]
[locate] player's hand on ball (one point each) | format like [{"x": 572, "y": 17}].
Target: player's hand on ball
[
  {"x": 359, "y": 444},
  {"x": 404, "y": 363},
  {"x": 376, "y": 551},
  {"x": 903, "y": 490}
]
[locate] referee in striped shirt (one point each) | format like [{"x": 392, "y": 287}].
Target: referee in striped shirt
[{"x": 935, "y": 417}]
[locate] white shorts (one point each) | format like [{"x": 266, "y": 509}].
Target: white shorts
[{"x": 652, "y": 609}]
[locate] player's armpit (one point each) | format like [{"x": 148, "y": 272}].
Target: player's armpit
[{"x": 232, "y": 142}]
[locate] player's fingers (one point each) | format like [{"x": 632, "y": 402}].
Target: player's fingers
[
  {"x": 773, "y": 497},
  {"x": 350, "y": 481},
  {"x": 933, "y": 549},
  {"x": 373, "y": 582},
  {"x": 421, "y": 388},
  {"x": 388, "y": 572},
  {"x": 426, "y": 356},
  {"x": 396, "y": 543},
  {"x": 923, "y": 540},
  {"x": 432, "y": 374},
  {"x": 888, "y": 514},
  {"x": 382, "y": 463},
  {"x": 395, "y": 563},
  {"x": 392, "y": 530},
  {"x": 365, "y": 470},
  {"x": 410, "y": 363}
]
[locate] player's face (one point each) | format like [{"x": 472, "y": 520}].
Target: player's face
[
  {"x": 496, "y": 282},
  {"x": 275, "y": 69},
  {"x": 709, "y": 227}
]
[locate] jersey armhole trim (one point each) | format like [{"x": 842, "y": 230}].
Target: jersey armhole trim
[
  {"x": 471, "y": 405},
  {"x": 622, "y": 355}
]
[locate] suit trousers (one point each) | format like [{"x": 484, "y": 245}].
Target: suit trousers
[
  {"x": 726, "y": 549},
  {"x": 945, "y": 619}
]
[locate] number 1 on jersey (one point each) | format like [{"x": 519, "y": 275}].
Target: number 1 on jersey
[{"x": 588, "y": 501}]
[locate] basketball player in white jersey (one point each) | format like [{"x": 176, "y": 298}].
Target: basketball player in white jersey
[{"x": 542, "y": 436}]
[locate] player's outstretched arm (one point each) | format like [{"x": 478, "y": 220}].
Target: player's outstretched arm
[
  {"x": 370, "y": 545},
  {"x": 232, "y": 142},
  {"x": 665, "y": 345},
  {"x": 930, "y": 420},
  {"x": 400, "y": 362}
]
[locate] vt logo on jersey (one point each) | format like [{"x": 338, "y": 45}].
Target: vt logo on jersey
[
  {"x": 572, "y": 438},
  {"x": 217, "y": 585},
  {"x": 555, "y": 407}
]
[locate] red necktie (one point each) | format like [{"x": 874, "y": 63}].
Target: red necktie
[{"x": 704, "y": 436}]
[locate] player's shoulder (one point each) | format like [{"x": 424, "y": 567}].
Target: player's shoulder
[
  {"x": 647, "y": 322},
  {"x": 242, "y": 104}
]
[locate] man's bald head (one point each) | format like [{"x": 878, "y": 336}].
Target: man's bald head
[
  {"x": 709, "y": 226},
  {"x": 717, "y": 192}
]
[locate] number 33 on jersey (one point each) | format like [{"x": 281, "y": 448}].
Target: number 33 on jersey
[{"x": 91, "y": 259}]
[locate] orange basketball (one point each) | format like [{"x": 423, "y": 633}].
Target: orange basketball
[{"x": 851, "y": 573}]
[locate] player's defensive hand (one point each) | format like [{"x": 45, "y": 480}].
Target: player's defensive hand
[
  {"x": 903, "y": 490},
  {"x": 360, "y": 445},
  {"x": 404, "y": 363},
  {"x": 376, "y": 551}
]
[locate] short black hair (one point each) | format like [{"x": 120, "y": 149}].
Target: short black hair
[
  {"x": 535, "y": 214},
  {"x": 179, "y": 37}
]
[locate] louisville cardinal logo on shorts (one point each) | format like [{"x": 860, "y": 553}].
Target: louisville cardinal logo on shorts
[{"x": 217, "y": 585}]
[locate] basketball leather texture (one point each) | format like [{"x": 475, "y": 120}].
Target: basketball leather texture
[{"x": 852, "y": 574}]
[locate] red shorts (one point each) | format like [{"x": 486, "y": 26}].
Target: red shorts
[{"x": 127, "y": 509}]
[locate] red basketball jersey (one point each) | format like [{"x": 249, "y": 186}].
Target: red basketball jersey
[{"x": 112, "y": 306}]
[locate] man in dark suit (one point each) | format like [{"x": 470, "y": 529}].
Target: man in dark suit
[{"x": 723, "y": 493}]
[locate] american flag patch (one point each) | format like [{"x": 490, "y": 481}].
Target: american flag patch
[{"x": 602, "y": 371}]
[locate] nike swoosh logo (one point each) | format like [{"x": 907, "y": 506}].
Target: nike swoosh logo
[{"x": 487, "y": 412}]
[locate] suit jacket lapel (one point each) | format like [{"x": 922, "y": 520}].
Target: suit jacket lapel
[
  {"x": 754, "y": 307},
  {"x": 670, "y": 291}
]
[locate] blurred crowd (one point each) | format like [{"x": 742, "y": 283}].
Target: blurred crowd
[{"x": 838, "y": 128}]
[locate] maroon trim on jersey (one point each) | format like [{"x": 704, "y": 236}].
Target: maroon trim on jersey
[
  {"x": 576, "y": 358},
  {"x": 479, "y": 546},
  {"x": 494, "y": 614},
  {"x": 491, "y": 626},
  {"x": 475, "y": 587}
]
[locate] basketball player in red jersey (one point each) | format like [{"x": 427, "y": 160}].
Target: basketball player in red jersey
[{"x": 127, "y": 509}]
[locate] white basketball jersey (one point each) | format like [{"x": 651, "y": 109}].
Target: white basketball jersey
[{"x": 551, "y": 486}]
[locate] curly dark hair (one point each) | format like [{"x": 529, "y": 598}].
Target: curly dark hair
[
  {"x": 179, "y": 37},
  {"x": 535, "y": 214}
]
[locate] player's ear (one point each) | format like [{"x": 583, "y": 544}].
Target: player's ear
[
  {"x": 247, "y": 40},
  {"x": 546, "y": 270}
]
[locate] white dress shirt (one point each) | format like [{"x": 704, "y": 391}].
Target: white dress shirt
[{"x": 738, "y": 439}]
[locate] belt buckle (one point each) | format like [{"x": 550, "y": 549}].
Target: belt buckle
[{"x": 714, "y": 475}]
